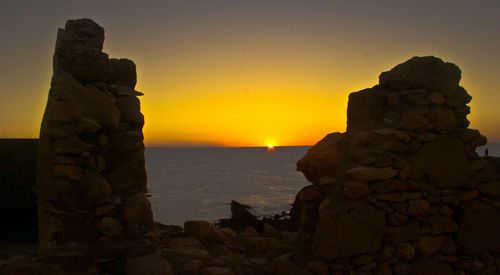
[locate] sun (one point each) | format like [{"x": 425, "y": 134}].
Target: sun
[{"x": 270, "y": 147}]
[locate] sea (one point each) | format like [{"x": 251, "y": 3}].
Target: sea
[{"x": 199, "y": 183}]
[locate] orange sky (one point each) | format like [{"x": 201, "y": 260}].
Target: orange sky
[{"x": 236, "y": 73}]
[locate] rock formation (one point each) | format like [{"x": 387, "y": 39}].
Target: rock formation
[
  {"x": 402, "y": 190},
  {"x": 91, "y": 178}
]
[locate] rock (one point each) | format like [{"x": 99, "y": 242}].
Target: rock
[
  {"x": 197, "y": 229},
  {"x": 363, "y": 259},
  {"x": 404, "y": 251},
  {"x": 479, "y": 227},
  {"x": 371, "y": 173},
  {"x": 153, "y": 264},
  {"x": 215, "y": 270},
  {"x": 323, "y": 159},
  {"x": 405, "y": 233},
  {"x": 396, "y": 197},
  {"x": 442, "y": 162},
  {"x": 185, "y": 242},
  {"x": 423, "y": 72},
  {"x": 425, "y": 266},
  {"x": 193, "y": 265},
  {"x": 436, "y": 97},
  {"x": 109, "y": 226},
  {"x": 402, "y": 268},
  {"x": 91, "y": 178},
  {"x": 428, "y": 245},
  {"x": 392, "y": 185},
  {"x": 382, "y": 269},
  {"x": 491, "y": 189},
  {"x": 270, "y": 232},
  {"x": 318, "y": 267},
  {"x": 130, "y": 111},
  {"x": 442, "y": 224},
  {"x": 449, "y": 246},
  {"x": 249, "y": 232},
  {"x": 356, "y": 190},
  {"x": 359, "y": 231},
  {"x": 417, "y": 207}
]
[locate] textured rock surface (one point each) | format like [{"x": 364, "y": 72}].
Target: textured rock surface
[
  {"x": 91, "y": 178},
  {"x": 407, "y": 155}
]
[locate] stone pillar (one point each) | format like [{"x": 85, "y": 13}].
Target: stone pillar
[
  {"x": 403, "y": 188},
  {"x": 91, "y": 177}
]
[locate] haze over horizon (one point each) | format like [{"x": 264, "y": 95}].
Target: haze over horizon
[{"x": 252, "y": 73}]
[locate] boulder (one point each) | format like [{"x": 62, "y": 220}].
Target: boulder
[
  {"x": 154, "y": 264},
  {"x": 197, "y": 229},
  {"x": 442, "y": 163},
  {"x": 423, "y": 72},
  {"x": 479, "y": 227},
  {"x": 349, "y": 233}
]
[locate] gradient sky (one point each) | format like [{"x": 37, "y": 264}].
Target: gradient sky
[{"x": 250, "y": 73}]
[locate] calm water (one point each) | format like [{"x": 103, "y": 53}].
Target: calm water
[{"x": 199, "y": 183}]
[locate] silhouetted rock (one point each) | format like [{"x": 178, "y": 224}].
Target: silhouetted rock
[
  {"x": 405, "y": 178},
  {"x": 91, "y": 178}
]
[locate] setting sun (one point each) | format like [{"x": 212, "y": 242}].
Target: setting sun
[{"x": 270, "y": 147}]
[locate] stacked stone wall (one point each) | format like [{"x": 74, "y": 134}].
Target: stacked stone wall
[{"x": 403, "y": 190}]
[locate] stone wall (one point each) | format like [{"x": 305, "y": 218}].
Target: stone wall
[
  {"x": 91, "y": 178},
  {"x": 403, "y": 191}
]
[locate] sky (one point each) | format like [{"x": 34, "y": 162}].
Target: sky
[{"x": 251, "y": 73}]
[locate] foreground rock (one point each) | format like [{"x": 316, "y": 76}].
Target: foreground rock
[
  {"x": 93, "y": 214},
  {"x": 403, "y": 188}
]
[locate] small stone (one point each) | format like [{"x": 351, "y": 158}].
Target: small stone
[
  {"x": 228, "y": 232},
  {"x": 68, "y": 171},
  {"x": 103, "y": 140},
  {"x": 197, "y": 229},
  {"x": 404, "y": 251},
  {"x": 318, "y": 267},
  {"x": 249, "y": 232},
  {"x": 397, "y": 197},
  {"x": 371, "y": 173},
  {"x": 491, "y": 189},
  {"x": 445, "y": 210},
  {"x": 110, "y": 226},
  {"x": 153, "y": 264},
  {"x": 401, "y": 268},
  {"x": 417, "y": 207},
  {"x": 428, "y": 245},
  {"x": 382, "y": 269},
  {"x": 363, "y": 259},
  {"x": 131, "y": 216},
  {"x": 356, "y": 190},
  {"x": 193, "y": 265},
  {"x": 442, "y": 224},
  {"x": 104, "y": 209},
  {"x": 216, "y": 270},
  {"x": 436, "y": 98},
  {"x": 270, "y": 231},
  {"x": 385, "y": 253},
  {"x": 467, "y": 195},
  {"x": 397, "y": 219},
  {"x": 405, "y": 172},
  {"x": 478, "y": 164}
]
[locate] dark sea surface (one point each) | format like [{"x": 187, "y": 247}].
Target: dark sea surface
[{"x": 199, "y": 183}]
